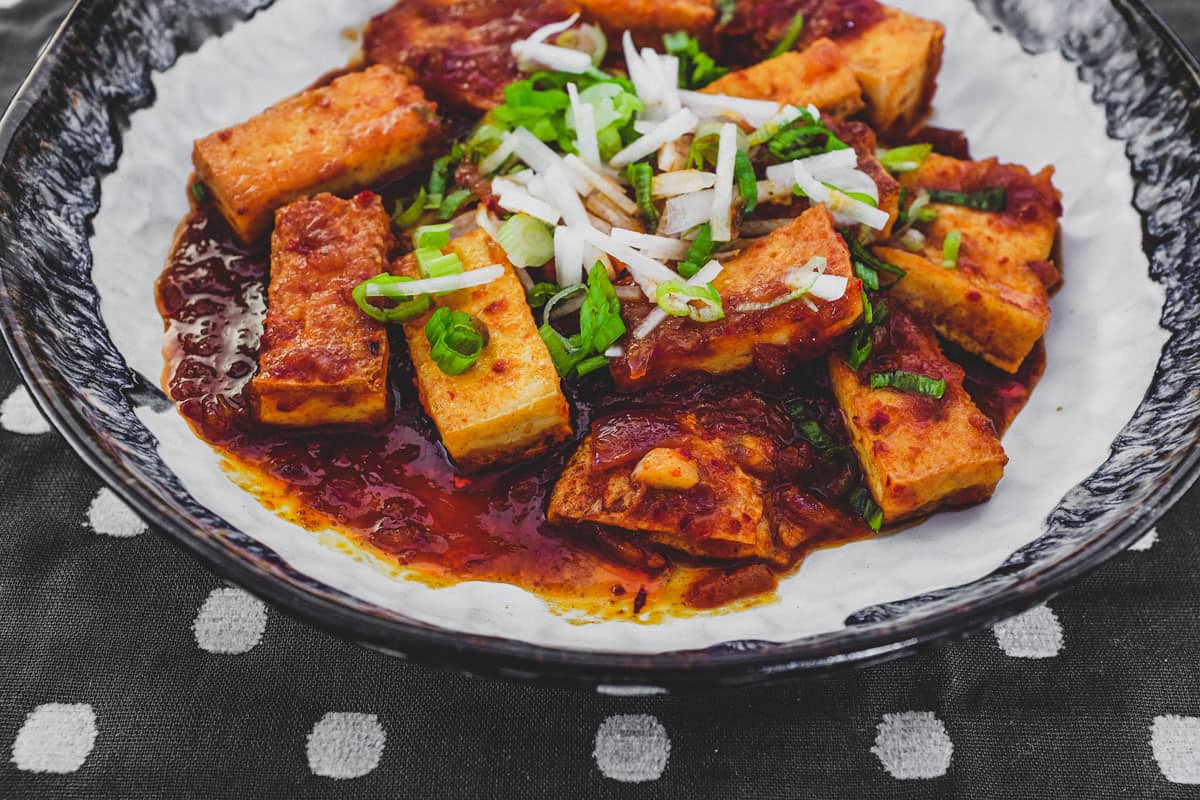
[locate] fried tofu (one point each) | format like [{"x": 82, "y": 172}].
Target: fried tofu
[
  {"x": 917, "y": 453},
  {"x": 995, "y": 304},
  {"x": 509, "y": 405},
  {"x": 820, "y": 75},
  {"x": 680, "y": 346},
  {"x": 896, "y": 60},
  {"x": 322, "y": 361},
  {"x": 648, "y": 20},
  {"x": 342, "y": 137}
]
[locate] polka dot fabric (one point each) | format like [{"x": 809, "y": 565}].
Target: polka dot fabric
[{"x": 128, "y": 671}]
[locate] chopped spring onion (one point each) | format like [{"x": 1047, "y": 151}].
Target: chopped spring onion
[
  {"x": 200, "y": 192},
  {"x": 686, "y": 211},
  {"x": 485, "y": 220},
  {"x": 684, "y": 181},
  {"x": 853, "y": 182},
  {"x": 862, "y": 254},
  {"x": 588, "y": 39},
  {"x": 586, "y": 141},
  {"x": 699, "y": 252},
  {"x": 403, "y": 217},
  {"x": 862, "y": 343},
  {"x": 865, "y": 506},
  {"x": 747, "y": 182},
  {"x": 803, "y": 137},
  {"x": 664, "y": 247},
  {"x": 912, "y": 240},
  {"x": 544, "y": 33},
  {"x": 720, "y": 106},
  {"x": 641, "y": 177},
  {"x": 812, "y": 431},
  {"x": 918, "y": 210},
  {"x": 721, "y": 217},
  {"x": 453, "y": 202},
  {"x": 767, "y": 130},
  {"x": 600, "y": 327},
  {"x": 707, "y": 274},
  {"x": 434, "y": 264},
  {"x": 868, "y": 276},
  {"x": 448, "y": 283},
  {"x": 905, "y": 159},
  {"x": 679, "y": 124},
  {"x": 432, "y": 236},
  {"x": 540, "y": 293},
  {"x": 909, "y": 382},
  {"x": 441, "y": 176},
  {"x": 456, "y": 340},
  {"x": 559, "y": 297},
  {"x": 788, "y": 41},
  {"x": 405, "y": 309},
  {"x": 994, "y": 198},
  {"x": 568, "y": 256},
  {"x": 699, "y": 303},
  {"x": 696, "y": 68},
  {"x": 646, "y": 271},
  {"x": 728, "y": 9},
  {"x": 950, "y": 248},
  {"x": 526, "y": 241}
]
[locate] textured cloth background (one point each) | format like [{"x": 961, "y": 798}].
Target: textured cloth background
[{"x": 126, "y": 670}]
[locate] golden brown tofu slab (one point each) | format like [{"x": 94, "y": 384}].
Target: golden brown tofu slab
[
  {"x": 917, "y": 453},
  {"x": 896, "y": 60},
  {"x": 820, "y": 75},
  {"x": 342, "y": 137},
  {"x": 509, "y": 405},
  {"x": 323, "y": 362},
  {"x": 995, "y": 303},
  {"x": 648, "y": 20},
  {"x": 680, "y": 346},
  {"x": 459, "y": 52}
]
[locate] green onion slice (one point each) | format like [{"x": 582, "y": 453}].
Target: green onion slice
[
  {"x": 788, "y": 41},
  {"x": 456, "y": 340},
  {"x": 590, "y": 365},
  {"x": 434, "y": 264},
  {"x": 697, "y": 68},
  {"x": 804, "y": 136},
  {"x": 950, "y": 248},
  {"x": 868, "y": 275},
  {"x": 437, "y": 236},
  {"x": 728, "y": 9},
  {"x": 200, "y": 192},
  {"x": 994, "y": 198},
  {"x": 641, "y": 177},
  {"x": 865, "y": 506},
  {"x": 863, "y": 254},
  {"x": 540, "y": 293},
  {"x": 816, "y": 435},
  {"x": 700, "y": 303},
  {"x": 699, "y": 253},
  {"x": 404, "y": 217},
  {"x": 905, "y": 159},
  {"x": 453, "y": 202},
  {"x": 909, "y": 382},
  {"x": 747, "y": 181},
  {"x": 600, "y": 323},
  {"x": 527, "y": 241},
  {"x": 558, "y": 297},
  {"x": 404, "y": 308}
]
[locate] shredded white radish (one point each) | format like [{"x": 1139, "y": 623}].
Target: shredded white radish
[
  {"x": 446, "y": 283},
  {"x": 656, "y": 317},
  {"x": 669, "y": 157},
  {"x": 607, "y": 211},
  {"x": 554, "y": 28},
  {"x": 615, "y": 352},
  {"x": 645, "y": 83},
  {"x": 851, "y": 180},
  {"x": 644, "y": 126},
  {"x": 672, "y": 184},
  {"x": 679, "y": 124},
  {"x": 486, "y": 221},
  {"x": 604, "y": 226},
  {"x": 495, "y": 160},
  {"x": 646, "y": 271},
  {"x": 586, "y": 140},
  {"x": 817, "y": 165},
  {"x": 601, "y": 183},
  {"x": 563, "y": 197},
  {"x": 686, "y": 211},
  {"x": 532, "y": 56},
  {"x": 762, "y": 227},
  {"x": 627, "y": 292},
  {"x": 669, "y": 65},
  {"x": 519, "y": 201},
  {"x": 568, "y": 257},
  {"x": 845, "y": 209},
  {"x": 653, "y": 246},
  {"x": 537, "y": 154},
  {"x": 829, "y": 287},
  {"x": 523, "y": 277},
  {"x": 721, "y": 217},
  {"x": 769, "y": 190},
  {"x": 716, "y": 106}
]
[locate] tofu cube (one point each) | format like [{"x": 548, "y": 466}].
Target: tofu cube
[
  {"x": 342, "y": 137},
  {"x": 648, "y": 20},
  {"x": 508, "y": 406},
  {"x": 680, "y": 346},
  {"x": 896, "y": 61},
  {"x": 995, "y": 304},
  {"x": 820, "y": 75},
  {"x": 917, "y": 453},
  {"x": 322, "y": 361}
]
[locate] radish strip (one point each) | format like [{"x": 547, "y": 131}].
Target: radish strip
[
  {"x": 646, "y": 271},
  {"x": 446, "y": 283},
  {"x": 653, "y": 246},
  {"x": 671, "y": 129},
  {"x": 721, "y": 218}
]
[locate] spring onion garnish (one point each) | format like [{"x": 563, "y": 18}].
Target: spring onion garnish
[
  {"x": 905, "y": 159},
  {"x": 699, "y": 303},
  {"x": 699, "y": 252},
  {"x": 683, "y": 181},
  {"x": 456, "y": 340},
  {"x": 441, "y": 177},
  {"x": 404, "y": 217},
  {"x": 560, "y": 297},
  {"x": 540, "y": 293},
  {"x": 434, "y": 264},
  {"x": 728, "y": 9},
  {"x": 803, "y": 137},
  {"x": 402, "y": 287},
  {"x": 678, "y": 124},
  {"x": 868, "y": 276},
  {"x": 950, "y": 248},
  {"x": 747, "y": 182},
  {"x": 697, "y": 69},
  {"x": 600, "y": 327},
  {"x": 912, "y": 240},
  {"x": 909, "y": 382},
  {"x": 405, "y": 308},
  {"x": 862, "y": 343},
  {"x": 861, "y": 253},
  {"x": 526, "y": 241},
  {"x": 641, "y": 177},
  {"x": 586, "y": 38},
  {"x": 865, "y": 506},
  {"x": 815, "y": 434},
  {"x": 707, "y": 274},
  {"x": 200, "y": 192},
  {"x": 453, "y": 202},
  {"x": 994, "y": 198},
  {"x": 788, "y": 41},
  {"x": 436, "y": 236}
]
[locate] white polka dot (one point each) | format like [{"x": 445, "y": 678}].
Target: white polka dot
[
  {"x": 1146, "y": 542},
  {"x": 1176, "y": 745},
  {"x": 1034, "y": 634},
  {"x": 109, "y": 515},
  {"x": 345, "y": 745},
  {"x": 912, "y": 745},
  {"x": 230, "y": 622},
  {"x": 630, "y": 691},
  {"x": 55, "y": 737},
  {"x": 632, "y": 748},
  {"x": 18, "y": 414}
]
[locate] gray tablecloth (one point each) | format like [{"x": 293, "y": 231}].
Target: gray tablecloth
[{"x": 126, "y": 670}]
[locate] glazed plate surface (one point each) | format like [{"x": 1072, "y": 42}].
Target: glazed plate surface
[{"x": 1107, "y": 441}]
